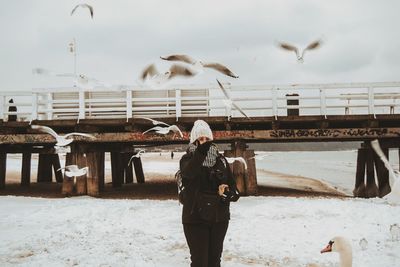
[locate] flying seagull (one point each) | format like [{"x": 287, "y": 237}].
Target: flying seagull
[
  {"x": 74, "y": 170},
  {"x": 199, "y": 65},
  {"x": 155, "y": 122},
  {"x": 393, "y": 176},
  {"x": 165, "y": 130},
  {"x": 137, "y": 155},
  {"x": 62, "y": 140},
  {"x": 300, "y": 58},
  {"x": 155, "y": 78},
  {"x": 80, "y": 79},
  {"x": 231, "y": 160},
  {"x": 41, "y": 71},
  {"x": 84, "y": 6},
  {"x": 229, "y": 101},
  {"x": 260, "y": 156}
]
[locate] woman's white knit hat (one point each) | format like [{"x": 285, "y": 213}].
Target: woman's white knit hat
[{"x": 200, "y": 129}]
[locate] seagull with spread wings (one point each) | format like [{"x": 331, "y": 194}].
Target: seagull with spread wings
[
  {"x": 155, "y": 122},
  {"x": 231, "y": 160},
  {"x": 74, "y": 170},
  {"x": 137, "y": 155},
  {"x": 62, "y": 140},
  {"x": 154, "y": 78},
  {"x": 79, "y": 79},
  {"x": 228, "y": 101},
  {"x": 300, "y": 57},
  {"x": 165, "y": 130},
  {"x": 199, "y": 65},
  {"x": 83, "y": 6}
]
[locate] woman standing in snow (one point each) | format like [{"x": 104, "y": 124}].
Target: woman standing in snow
[{"x": 208, "y": 189}]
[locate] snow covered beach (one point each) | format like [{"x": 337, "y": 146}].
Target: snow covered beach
[{"x": 264, "y": 231}]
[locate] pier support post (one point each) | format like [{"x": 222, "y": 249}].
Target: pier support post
[
  {"x": 92, "y": 159},
  {"x": 44, "y": 173},
  {"x": 81, "y": 183},
  {"x": 382, "y": 173},
  {"x": 246, "y": 181},
  {"x": 137, "y": 163},
  {"x": 100, "y": 162},
  {"x": 117, "y": 171},
  {"x": 68, "y": 182},
  {"x": 26, "y": 169},
  {"x": 128, "y": 169},
  {"x": 55, "y": 159},
  {"x": 359, "y": 188},
  {"x": 3, "y": 165},
  {"x": 371, "y": 188}
]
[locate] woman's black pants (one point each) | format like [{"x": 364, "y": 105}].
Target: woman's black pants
[{"x": 205, "y": 242}]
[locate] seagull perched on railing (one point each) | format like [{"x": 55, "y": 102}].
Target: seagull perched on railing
[
  {"x": 231, "y": 160},
  {"x": 151, "y": 75},
  {"x": 165, "y": 130},
  {"x": 199, "y": 65},
  {"x": 84, "y": 6},
  {"x": 300, "y": 58},
  {"x": 394, "y": 176},
  {"x": 137, "y": 155},
  {"x": 155, "y": 122},
  {"x": 74, "y": 170},
  {"x": 62, "y": 140},
  {"x": 229, "y": 101}
]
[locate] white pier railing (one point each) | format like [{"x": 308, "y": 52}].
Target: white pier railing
[{"x": 202, "y": 101}]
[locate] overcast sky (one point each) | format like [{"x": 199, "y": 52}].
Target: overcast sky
[{"x": 361, "y": 39}]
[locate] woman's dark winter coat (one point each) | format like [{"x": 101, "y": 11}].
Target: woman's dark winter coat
[{"x": 198, "y": 179}]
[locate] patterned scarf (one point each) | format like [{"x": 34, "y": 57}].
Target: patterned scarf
[{"x": 211, "y": 157}]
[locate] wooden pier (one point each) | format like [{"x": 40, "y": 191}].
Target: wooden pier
[{"x": 321, "y": 113}]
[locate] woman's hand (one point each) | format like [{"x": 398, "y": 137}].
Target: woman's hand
[
  {"x": 204, "y": 147},
  {"x": 221, "y": 189}
]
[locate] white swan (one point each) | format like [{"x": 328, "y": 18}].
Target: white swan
[
  {"x": 342, "y": 246},
  {"x": 394, "y": 177}
]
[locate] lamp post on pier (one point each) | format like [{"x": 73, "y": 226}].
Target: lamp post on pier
[{"x": 72, "y": 49}]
